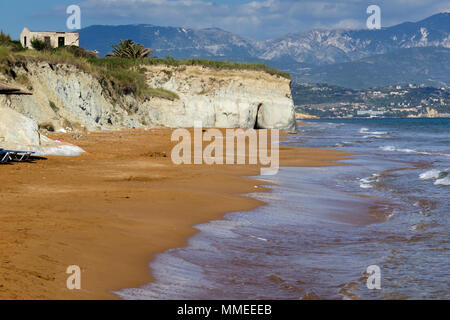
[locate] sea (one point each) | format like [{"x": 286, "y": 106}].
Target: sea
[{"x": 322, "y": 228}]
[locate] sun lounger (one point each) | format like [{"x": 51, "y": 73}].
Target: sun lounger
[
  {"x": 20, "y": 155},
  {"x": 5, "y": 156},
  {"x": 14, "y": 155}
]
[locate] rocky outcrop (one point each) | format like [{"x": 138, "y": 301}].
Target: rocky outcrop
[
  {"x": 18, "y": 132},
  {"x": 65, "y": 97},
  {"x": 221, "y": 98}
]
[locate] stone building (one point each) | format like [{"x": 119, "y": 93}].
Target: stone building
[{"x": 55, "y": 39}]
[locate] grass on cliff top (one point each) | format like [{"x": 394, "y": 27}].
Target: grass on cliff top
[
  {"x": 213, "y": 64},
  {"x": 124, "y": 78}
]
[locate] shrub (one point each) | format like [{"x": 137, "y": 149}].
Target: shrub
[
  {"x": 16, "y": 46},
  {"x": 53, "y": 106},
  {"x": 79, "y": 52},
  {"x": 5, "y": 39},
  {"x": 40, "y": 45},
  {"x": 25, "y": 81}
]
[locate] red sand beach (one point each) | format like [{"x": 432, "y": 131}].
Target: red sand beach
[{"x": 112, "y": 209}]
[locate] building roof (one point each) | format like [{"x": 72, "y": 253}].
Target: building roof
[
  {"x": 51, "y": 31},
  {"x": 43, "y": 31}
]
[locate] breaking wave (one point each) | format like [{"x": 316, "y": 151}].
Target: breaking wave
[
  {"x": 372, "y": 134},
  {"x": 392, "y": 149},
  {"x": 441, "y": 176},
  {"x": 443, "y": 182},
  {"x": 367, "y": 183},
  {"x": 433, "y": 174}
]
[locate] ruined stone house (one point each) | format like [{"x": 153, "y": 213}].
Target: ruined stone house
[{"x": 55, "y": 39}]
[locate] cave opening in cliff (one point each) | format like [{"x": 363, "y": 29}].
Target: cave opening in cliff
[{"x": 256, "y": 127}]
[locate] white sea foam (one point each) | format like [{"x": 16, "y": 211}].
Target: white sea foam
[
  {"x": 367, "y": 183},
  {"x": 392, "y": 148},
  {"x": 441, "y": 176},
  {"x": 431, "y": 174},
  {"x": 343, "y": 144},
  {"x": 259, "y": 238},
  {"x": 443, "y": 182},
  {"x": 388, "y": 148},
  {"x": 372, "y": 134}
]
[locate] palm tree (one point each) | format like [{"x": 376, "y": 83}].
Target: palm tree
[{"x": 129, "y": 49}]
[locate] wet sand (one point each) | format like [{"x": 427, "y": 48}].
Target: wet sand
[{"x": 112, "y": 209}]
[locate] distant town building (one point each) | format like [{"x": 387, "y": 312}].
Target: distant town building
[{"x": 55, "y": 39}]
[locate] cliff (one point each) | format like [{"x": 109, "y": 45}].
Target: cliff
[
  {"x": 21, "y": 133},
  {"x": 66, "y": 97},
  {"x": 221, "y": 98}
]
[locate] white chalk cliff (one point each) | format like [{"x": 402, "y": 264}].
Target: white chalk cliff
[
  {"x": 221, "y": 98},
  {"x": 18, "y": 132},
  {"x": 65, "y": 97}
]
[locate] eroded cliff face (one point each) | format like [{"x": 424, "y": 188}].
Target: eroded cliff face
[
  {"x": 67, "y": 98},
  {"x": 221, "y": 98}
]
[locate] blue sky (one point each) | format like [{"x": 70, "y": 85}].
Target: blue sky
[{"x": 257, "y": 19}]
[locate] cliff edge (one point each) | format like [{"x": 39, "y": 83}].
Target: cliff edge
[{"x": 67, "y": 97}]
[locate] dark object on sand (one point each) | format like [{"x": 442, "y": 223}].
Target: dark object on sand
[
  {"x": 7, "y": 89},
  {"x": 14, "y": 155}
]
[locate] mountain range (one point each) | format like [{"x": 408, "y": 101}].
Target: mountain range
[{"x": 301, "y": 54}]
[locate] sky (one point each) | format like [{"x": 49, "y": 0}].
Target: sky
[{"x": 256, "y": 19}]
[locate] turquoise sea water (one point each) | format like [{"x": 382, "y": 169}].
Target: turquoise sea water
[{"x": 323, "y": 227}]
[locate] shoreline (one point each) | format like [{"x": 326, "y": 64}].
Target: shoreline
[{"x": 113, "y": 209}]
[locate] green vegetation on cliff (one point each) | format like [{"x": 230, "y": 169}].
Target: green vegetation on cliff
[
  {"x": 126, "y": 77},
  {"x": 117, "y": 75}
]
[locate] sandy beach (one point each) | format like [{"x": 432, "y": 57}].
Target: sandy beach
[{"x": 112, "y": 209}]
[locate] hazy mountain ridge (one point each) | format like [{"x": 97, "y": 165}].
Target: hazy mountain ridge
[
  {"x": 172, "y": 41},
  {"x": 316, "y": 47}
]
